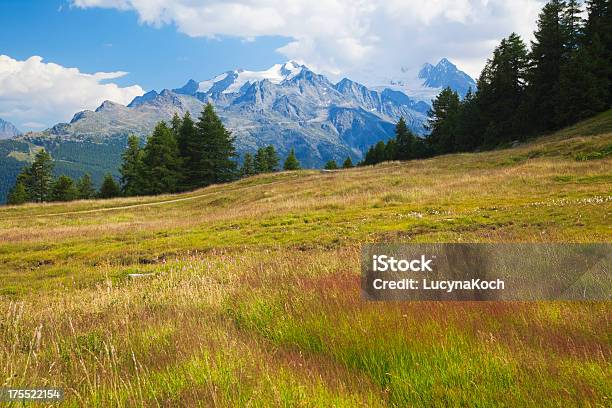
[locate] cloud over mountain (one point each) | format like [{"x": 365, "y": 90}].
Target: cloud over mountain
[
  {"x": 338, "y": 35},
  {"x": 33, "y": 92}
]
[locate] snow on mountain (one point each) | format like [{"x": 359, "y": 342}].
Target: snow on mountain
[
  {"x": 422, "y": 84},
  {"x": 233, "y": 81},
  {"x": 287, "y": 105}
]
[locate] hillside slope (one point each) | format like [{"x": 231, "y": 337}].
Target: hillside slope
[{"x": 254, "y": 296}]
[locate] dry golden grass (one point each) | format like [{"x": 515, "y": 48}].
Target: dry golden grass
[{"x": 253, "y": 297}]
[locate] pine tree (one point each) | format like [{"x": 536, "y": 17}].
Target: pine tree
[
  {"x": 63, "y": 189},
  {"x": 442, "y": 121},
  {"x": 507, "y": 87},
  {"x": 248, "y": 166},
  {"x": 160, "y": 162},
  {"x": 404, "y": 141},
  {"x": 390, "y": 150},
  {"x": 217, "y": 150},
  {"x": 109, "y": 188},
  {"x": 376, "y": 154},
  {"x": 331, "y": 165},
  {"x": 272, "y": 158},
  {"x": 598, "y": 40},
  {"x": 131, "y": 170},
  {"x": 572, "y": 24},
  {"x": 291, "y": 162},
  {"x": 18, "y": 194},
  {"x": 470, "y": 124},
  {"x": 548, "y": 51},
  {"x": 175, "y": 125},
  {"x": 261, "y": 161},
  {"x": 85, "y": 189},
  {"x": 348, "y": 163},
  {"x": 39, "y": 176},
  {"x": 187, "y": 139}
]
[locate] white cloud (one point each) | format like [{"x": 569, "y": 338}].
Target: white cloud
[
  {"x": 342, "y": 35},
  {"x": 35, "y": 94}
]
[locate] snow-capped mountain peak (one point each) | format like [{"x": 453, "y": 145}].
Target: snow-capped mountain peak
[
  {"x": 421, "y": 84},
  {"x": 233, "y": 81}
]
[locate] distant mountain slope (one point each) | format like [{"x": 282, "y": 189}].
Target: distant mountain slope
[
  {"x": 446, "y": 74},
  {"x": 8, "y": 130},
  {"x": 287, "y": 105},
  {"x": 422, "y": 84}
]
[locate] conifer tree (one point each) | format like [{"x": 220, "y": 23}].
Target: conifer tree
[
  {"x": 504, "y": 91},
  {"x": 63, "y": 189},
  {"x": 598, "y": 41},
  {"x": 175, "y": 125},
  {"x": 404, "y": 140},
  {"x": 376, "y": 154},
  {"x": 261, "y": 161},
  {"x": 548, "y": 51},
  {"x": 331, "y": 165},
  {"x": 18, "y": 194},
  {"x": 348, "y": 163},
  {"x": 109, "y": 187},
  {"x": 187, "y": 137},
  {"x": 161, "y": 162},
  {"x": 442, "y": 121},
  {"x": 248, "y": 166},
  {"x": 85, "y": 189},
  {"x": 39, "y": 177},
  {"x": 214, "y": 146},
  {"x": 272, "y": 158},
  {"x": 131, "y": 170},
  {"x": 291, "y": 162}
]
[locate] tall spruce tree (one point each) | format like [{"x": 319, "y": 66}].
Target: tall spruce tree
[
  {"x": 63, "y": 189},
  {"x": 248, "y": 166},
  {"x": 261, "y": 161},
  {"x": 598, "y": 41},
  {"x": 161, "y": 163},
  {"x": 18, "y": 194},
  {"x": 291, "y": 162},
  {"x": 548, "y": 52},
  {"x": 503, "y": 91},
  {"x": 175, "y": 125},
  {"x": 272, "y": 158},
  {"x": 442, "y": 121},
  {"x": 190, "y": 150},
  {"x": 85, "y": 189},
  {"x": 131, "y": 170},
  {"x": 348, "y": 163},
  {"x": 109, "y": 187},
  {"x": 38, "y": 178},
  {"x": 214, "y": 146},
  {"x": 404, "y": 141}
]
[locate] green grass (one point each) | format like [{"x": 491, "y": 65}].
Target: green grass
[{"x": 251, "y": 294}]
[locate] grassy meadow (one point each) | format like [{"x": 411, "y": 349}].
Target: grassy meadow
[{"x": 250, "y": 291}]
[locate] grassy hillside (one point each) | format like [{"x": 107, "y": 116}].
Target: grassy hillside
[{"x": 253, "y": 295}]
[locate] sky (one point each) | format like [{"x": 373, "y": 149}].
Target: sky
[{"x": 58, "y": 57}]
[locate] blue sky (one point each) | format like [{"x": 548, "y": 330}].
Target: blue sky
[
  {"x": 58, "y": 57},
  {"x": 110, "y": 40}
]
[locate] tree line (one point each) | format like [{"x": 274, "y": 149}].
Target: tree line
[
  {"x": 35, "y": 183},
  {"x": 565, "y": 77},
  {"x": 180, "y": 156}
]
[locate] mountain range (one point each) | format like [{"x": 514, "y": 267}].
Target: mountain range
[
  {"x": 8, "y": 130},
  {"x": 287, "y": 105}
]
